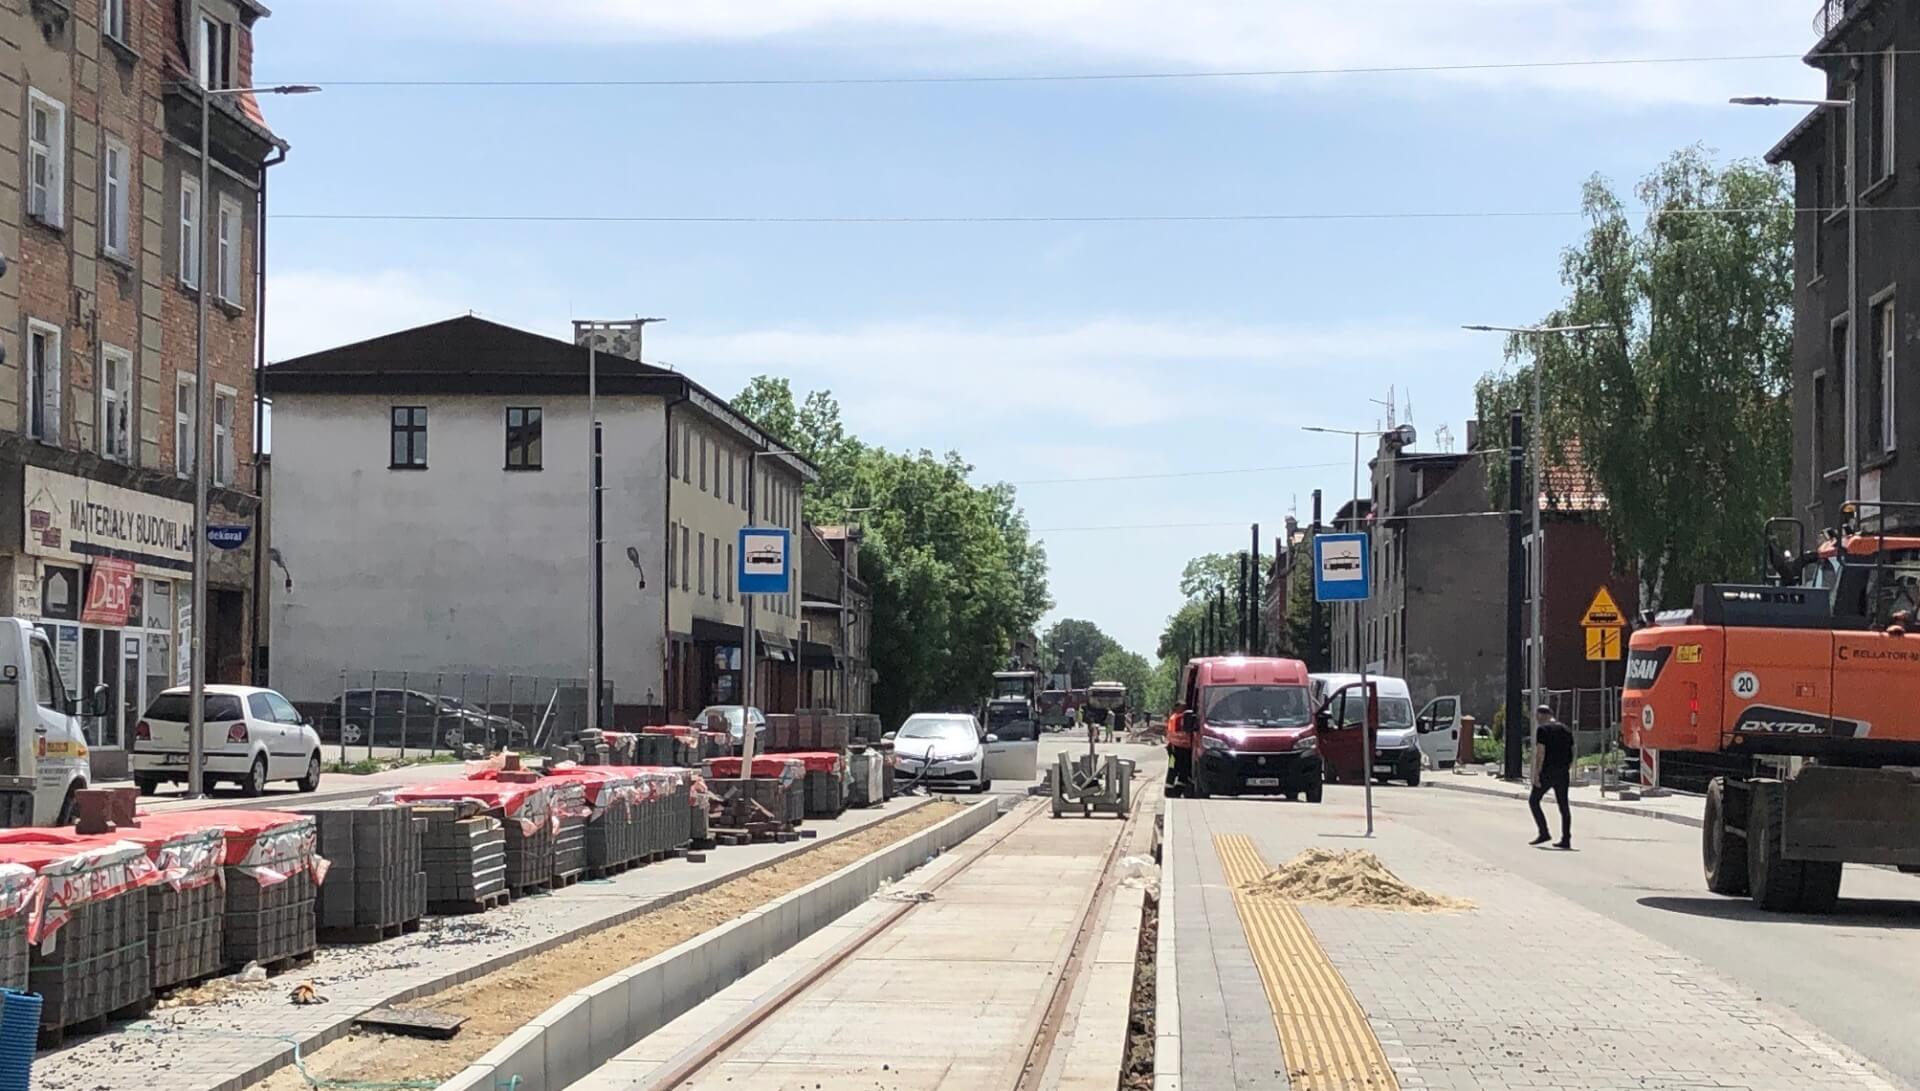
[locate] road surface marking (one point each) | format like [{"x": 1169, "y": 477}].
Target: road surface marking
[{"x": 1324, "y": 1034}]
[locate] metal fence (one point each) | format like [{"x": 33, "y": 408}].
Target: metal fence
[
  {"x": 376, "y": 713},
  {"x": 1594, "y": 716}
]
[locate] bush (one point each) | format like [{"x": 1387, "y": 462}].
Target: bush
[
  {"x": 1488, "y": 751},
  {"x": 1499, "y": 728}
]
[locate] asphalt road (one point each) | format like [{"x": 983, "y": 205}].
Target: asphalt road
[{"x": 1852, "y": 974}]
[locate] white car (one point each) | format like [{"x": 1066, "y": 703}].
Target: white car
[
  {"x": 944, "y": 748},
  {"x": 735, "y": 728},
  {"x": 252, "y": 737}
]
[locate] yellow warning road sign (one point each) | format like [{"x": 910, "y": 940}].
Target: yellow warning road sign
[
  {"x": 1603, "y": 643},
  {"x": 1603, "y": 612}
]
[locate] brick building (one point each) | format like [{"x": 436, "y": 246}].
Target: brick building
[{"x": 109, "y": 241}]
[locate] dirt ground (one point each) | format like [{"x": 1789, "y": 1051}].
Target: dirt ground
[{"x": 503, "y": 1001}]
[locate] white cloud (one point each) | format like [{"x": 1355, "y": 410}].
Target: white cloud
[{"x": 1215, "y": 34}]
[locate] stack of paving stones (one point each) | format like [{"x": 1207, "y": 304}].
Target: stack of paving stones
[
  {"x": 886, "y": 769},
  {"x": 620, "y": 747},
  {"x": 376, "y": 885},
  {"x": 826, "y": 783},
  {"x": 612, "y": 835},
  {"x": 465, "y": 856},
  {"x": 865, "y": 728},
  {"x": 16, "y": 896},
  {"x": 272, "y": 896},
  {"x": 675, "y": 804},
  {"x": 570, "y": 838},
  {"x": 653, "y": 747},
  {"x": 777, "y": 785},
  {"x": 592, "y": 746},
  {"x": 530, "y": 837},
  {"x": 783, "y": 731},
  {"x": 89, "y": 960},
  {"x": 700, "y": 813},
  {"x": 186, "y": 909},
  {"x": 866, "y": 780}
]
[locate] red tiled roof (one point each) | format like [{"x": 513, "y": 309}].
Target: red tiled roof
[{"x": 1568, "y": 485}]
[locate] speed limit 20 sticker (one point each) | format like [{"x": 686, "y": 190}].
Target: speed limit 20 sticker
[{"x": 1746, "y": 685}]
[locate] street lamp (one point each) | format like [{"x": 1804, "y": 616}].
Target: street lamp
[
  {"x": 202, "y": 410},
  {"x": 1537, "y": 445},
  {"x": 1851, "y": 396}
]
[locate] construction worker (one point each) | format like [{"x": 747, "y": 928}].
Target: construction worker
[{"x": 1552, "y": 772}]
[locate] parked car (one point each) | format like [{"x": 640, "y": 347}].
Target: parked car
[
  {"x": 252, "y": 737},
  {"x": 395, "y": 717},
  {"x": 731, "y": 714},
  {"x": 943, "y": 748},
  {"x": 1396, "y": 741}
]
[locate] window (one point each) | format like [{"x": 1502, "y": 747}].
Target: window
[
  {"x": 46, "y": 678},
  {"x": 686, "y": 455},
  {"x": 116, "y": 403},
  {"x": 1885, "y": 333},
  {"x": 731, "y": 572},
  {"x": 190, "y": 240},
  {"x": 1838, "y": 349},
  {"x": 227, "y": 252},
  {"x": 223, "y": 460},
  {"x": 1883, "y": 116},
  {"x": 685, "y": 549},
  {"x": 1819, "y": 455},
  {"x": 46, "y": 159},
  {"x": 185, "y": 408},
  {"x": 703, "y": 463},
  {"x": 409, "y": 437},
  {"x": 261, "y": 710},
  {"x": 114, "y": 176},
  {"x": 113, "y": 19},
  {"x": 213, "y": 54},
  {"x": 730, "y": 476},
  {"x": 523, "y": 438},
  {"x": 716, "y": 570},
  {"x": 283, "y": 709},
  {"x": 671, "y": 539},
  {"x": 44, "y": 382},
  {"x": 701, "y": 568}
]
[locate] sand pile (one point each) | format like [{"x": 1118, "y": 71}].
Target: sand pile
[{"x": 1355, "y": 877}]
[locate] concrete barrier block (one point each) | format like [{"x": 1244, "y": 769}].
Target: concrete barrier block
[
  {"x": 609, "y": 1015},
  {"x": 646, "y": 1001},
  {"x": 522, "y": 1054},
  {"x": 568, "y": 1041},
  {"x": 476, "y": 1077}
]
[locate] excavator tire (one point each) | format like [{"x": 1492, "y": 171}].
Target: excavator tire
[
  {"x": 1775, "y": 882},
  {"x": 1723, "y": 852},
  {"x": 1819, "y": 886}
]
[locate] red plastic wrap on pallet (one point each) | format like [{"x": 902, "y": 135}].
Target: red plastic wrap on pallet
[
  {"x": 786, "y": 767},
  {"x": 271, "y": 846},
  {"x": 818, "y": 761},
  {"x": 68, "y": 875},
  {"x": 531, "y": 805},
  {"x": 676, "y": 730}
]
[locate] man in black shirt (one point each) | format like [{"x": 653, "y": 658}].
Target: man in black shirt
[{"x": 1552, "y": 768}]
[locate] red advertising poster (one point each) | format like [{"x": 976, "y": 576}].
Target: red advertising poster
[{"x": 109, "y": 593}]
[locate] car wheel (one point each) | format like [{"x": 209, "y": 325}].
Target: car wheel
[
  {"x": 453, "y": 738},
  {"x": 1413, "y": 778},
  {"x": 349, "y": 733},
  {"x": 147, "y": 785},
  {"x": 1315, "y": 789},
  {"x": 256, "y": 783},
  {"x": 311, "y": 782}
]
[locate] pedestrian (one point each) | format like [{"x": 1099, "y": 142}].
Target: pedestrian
[{"x": 1552, "y": 770}]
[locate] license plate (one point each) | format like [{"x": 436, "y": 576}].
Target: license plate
[
  {"x": 173, "y": 759},
  {"x": 1263, "y": 782},
  {"x": 1383, "y": 768}
]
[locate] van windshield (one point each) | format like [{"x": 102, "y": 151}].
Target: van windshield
[{"x": 1256, "y": 706}]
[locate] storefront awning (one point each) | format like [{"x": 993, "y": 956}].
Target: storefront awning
[
  {"x": 715, "y": 632},
  {"x": 778, "y": 648}
]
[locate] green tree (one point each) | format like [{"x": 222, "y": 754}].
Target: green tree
[
  {"x": 1679, "y": 409},
  {"x": 1075, "y": 646},
  {"x": 953, "y": 567}
]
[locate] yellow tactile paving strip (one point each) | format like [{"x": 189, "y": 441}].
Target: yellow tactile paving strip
[{"x": 1325, "y": 1036}]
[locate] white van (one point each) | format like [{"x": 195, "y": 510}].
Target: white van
[
  {"x": 1396, "y": 744},
  {"x": 43, "y": 750}
]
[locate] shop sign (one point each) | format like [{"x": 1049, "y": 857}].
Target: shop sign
[
  {"x": 76, "y": 519},
  {"x": 26, "y": 596},
  {"x": 109, "y": 593}
]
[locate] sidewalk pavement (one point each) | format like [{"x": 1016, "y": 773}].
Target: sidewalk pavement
[
  {"x": 1525, "y": 990},
  {"x": 240, "y": 1037},
  {"x": 1673, "y": 806},
  {"x": 334, "y": 789}
]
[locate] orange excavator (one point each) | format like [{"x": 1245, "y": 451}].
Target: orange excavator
[{"x": 1811, "y": 685}]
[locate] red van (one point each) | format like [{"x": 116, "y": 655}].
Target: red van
[{"x": 1244, "y": 726}]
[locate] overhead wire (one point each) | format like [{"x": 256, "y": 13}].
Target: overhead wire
[{"x": 1047, "y": 218}]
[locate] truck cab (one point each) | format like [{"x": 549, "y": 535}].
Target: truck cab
[
  {"x": 1244, "y": 725},
  {"x": 43, "y": 749}
]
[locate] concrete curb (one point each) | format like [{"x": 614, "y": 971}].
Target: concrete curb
[
  {"x": 1583, "y": 804},
  {"x": 1166, "y": 978},
  {"x": 591, "y": 1027},
  {"x": 507, "y": 958}
]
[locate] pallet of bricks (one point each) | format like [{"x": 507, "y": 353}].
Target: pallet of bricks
[
  {"x": 187, "y": 905},
  {"x": 273, "y": 871},
  {"x": 767, "y": 806},
  {"x": 667, "y": 745},
  {"x": 866, "y": 776},
  {"x": 376, "y": 886},
  {"x": 522, "y": 806},
  {"x": 611, "y": 837},
  {"x": 85, "y": 927},
  {"x": 667, "y": 798},
  {"x": 819, "y": 738},
  {"x": 464, "y": 854},
  {"x": 567, "y": 805},
  {"x": 620, "y": 747}
]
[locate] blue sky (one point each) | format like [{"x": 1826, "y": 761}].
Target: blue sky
[{"x": 1041, "y": 351}]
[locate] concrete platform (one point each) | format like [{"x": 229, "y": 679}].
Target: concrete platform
[
  {"x": 1525, "y": 989},
  {"x": 948, "y": 999}
]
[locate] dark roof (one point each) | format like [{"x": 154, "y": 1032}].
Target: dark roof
[
  {"x": 1779, "y": 152},
  {"x": 471, "y": 355}
]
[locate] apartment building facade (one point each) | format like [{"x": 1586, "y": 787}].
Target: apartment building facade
[{"x": 109, "y": 242}]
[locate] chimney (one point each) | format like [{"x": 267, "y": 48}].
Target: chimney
[{"x": 1473, "y": 435}]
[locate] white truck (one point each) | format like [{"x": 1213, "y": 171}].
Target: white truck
[{"x": 43, "y": 747}]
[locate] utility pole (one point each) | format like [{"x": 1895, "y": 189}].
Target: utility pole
[
  {"x": 1516, "y": 593},
  {"x": 1259, "y": 598},
  {"x": 1220, "y": 593},
  {"x": 1316, "y": 614},
  {"x": 1241, "y": 596}
]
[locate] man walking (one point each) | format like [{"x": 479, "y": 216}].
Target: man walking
[{"x": 1552, "y": 770}]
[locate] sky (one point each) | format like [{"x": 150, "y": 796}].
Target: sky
[{"x": 1145, "y": 382}]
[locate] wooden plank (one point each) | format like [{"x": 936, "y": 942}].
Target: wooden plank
[{"x": 413, "y": 1022}]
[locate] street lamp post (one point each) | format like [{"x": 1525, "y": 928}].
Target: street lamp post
[
  {"x": 1850, "y": 398},
  {"x": 202, "y": 410},
  {"x": 1537, "y": 446}
]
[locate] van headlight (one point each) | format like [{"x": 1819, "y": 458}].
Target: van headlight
[
  {"x": 1208, "y": 742},
  {"x": 1306, "y": 745}
]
